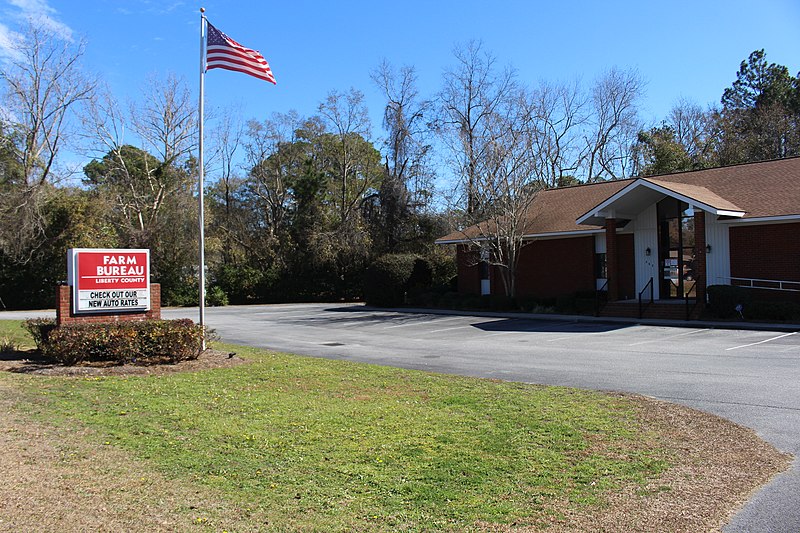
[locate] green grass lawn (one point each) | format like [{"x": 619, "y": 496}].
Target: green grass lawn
[
  {"x": 330, "y": 445},
  {"x": 11, "y": 332}
]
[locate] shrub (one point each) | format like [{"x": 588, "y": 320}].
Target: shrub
[
  {"x": 144, "y": 342},
  {"x": 391, "y": 277},
  {"x": 216, "y": 297},
  {"x": 429, "y": 298},
  {"x": 40, "y": 329},
  {"x": 244, "y": 284},
  {"x": 470, "y": 301},
  {"x": 443, "y": 269},
  {"x": 774, "y": 310},
  {"x": 585, "y": 305},
  {"x": 7, "y": 345},
  {"x": 179, "y": 291},
  {"x": 723, "y": 300},
  {"x": 451, "y": 300},
  {"x": 538, "y": 305},
  {"x": 498, "y": 302},
  {"x": 566, "y": 304}
]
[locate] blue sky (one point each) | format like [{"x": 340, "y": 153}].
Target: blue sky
[{"x": 688, "y": 49}]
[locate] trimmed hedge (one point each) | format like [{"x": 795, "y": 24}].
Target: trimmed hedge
[
  {"x": 774, "y": 310},
  {"x": 723, "y": 300},
  {"x": 143, "y": 343}
]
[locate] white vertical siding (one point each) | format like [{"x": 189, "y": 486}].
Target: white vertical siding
[
  {"x": 718, "y": 262},
  {"x": 600, "y": 243},
  {"x": 486, "y": 287},
  {"x": 599, "y": 248},
  {"x": 646, "y": 236}
]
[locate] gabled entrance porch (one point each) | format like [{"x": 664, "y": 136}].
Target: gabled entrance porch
[{"x": 670, "y": 224}]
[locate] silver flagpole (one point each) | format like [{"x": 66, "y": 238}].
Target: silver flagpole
[{"x": 200, "y": 194}]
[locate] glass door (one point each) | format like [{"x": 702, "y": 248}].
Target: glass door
[{"x": 676, "y": 248}]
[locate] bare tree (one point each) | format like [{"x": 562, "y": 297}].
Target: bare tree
[
  {"x": 130, "y": 185},
  {"x": 404, "y": 120},
  {"x": 43, "y": 90},
  {"x": 473, "y": 91},
  {"x": 345, "y": 116},
  {"x": 686, "y": 140},
  {"x": 693, "y": 129},
  {"x": 166, "y": 120},
  {"x": 407, "y": 182},
  {"x": 225, "y": 141},
  {"x": 138, "y": 181},
  {"x": 615, "y": 125},
  {"x": 558, "y": 113},
  {"x": 273, "y": 160},
  {"x": 506, "y": 188}
]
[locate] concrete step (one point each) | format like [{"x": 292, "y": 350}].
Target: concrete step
[{"x": 667, "y": 311}]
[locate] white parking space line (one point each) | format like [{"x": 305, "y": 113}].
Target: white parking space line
[
  {"x": 660, "y": 339},
  {"x": 761, "y": 342}
]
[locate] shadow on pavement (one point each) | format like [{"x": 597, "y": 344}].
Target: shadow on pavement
[
  {"x": 495, "y": 324},
  {"x": 552, "y": 326}
]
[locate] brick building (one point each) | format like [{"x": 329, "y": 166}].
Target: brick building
[{"x": 677, "y": 233}]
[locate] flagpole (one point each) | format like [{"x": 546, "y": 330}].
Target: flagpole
[{"x": 200, "y": 194}]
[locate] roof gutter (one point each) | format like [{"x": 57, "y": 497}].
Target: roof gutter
[{"x": 529, "y": 236}]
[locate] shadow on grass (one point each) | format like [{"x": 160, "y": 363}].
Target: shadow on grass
[{"x": 25, "y": 361}]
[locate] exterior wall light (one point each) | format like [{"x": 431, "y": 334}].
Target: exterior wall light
[
  {"x": 647, "y": 251},
  {"x": 708, "y": 248}
]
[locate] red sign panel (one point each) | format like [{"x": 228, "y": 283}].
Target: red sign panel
[{"x": 109, "y": 280}]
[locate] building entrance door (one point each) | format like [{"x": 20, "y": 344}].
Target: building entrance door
[{"x": 676, "y": 252}]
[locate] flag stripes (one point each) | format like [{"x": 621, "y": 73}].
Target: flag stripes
[{"x": 225, "y": 53}]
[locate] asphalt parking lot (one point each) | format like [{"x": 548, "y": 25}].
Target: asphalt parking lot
[{"x": 750, "y": 377}]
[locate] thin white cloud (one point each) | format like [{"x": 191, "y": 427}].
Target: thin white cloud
[
  {"x": 42, "y": 14},
  {"x": 173, "y": 6},
  {"x": 145, "y": 7},
  {"x": 8, "y": 43}
]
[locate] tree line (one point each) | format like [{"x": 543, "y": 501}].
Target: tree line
[{"x": 299, "y": 206}]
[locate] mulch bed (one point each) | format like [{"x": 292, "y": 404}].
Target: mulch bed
[{"x": 30, "y": 362}]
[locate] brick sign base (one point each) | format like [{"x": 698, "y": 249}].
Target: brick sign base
[{"x": 65, "y": 315}]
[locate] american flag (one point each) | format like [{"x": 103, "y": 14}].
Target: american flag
[{"x": 224, "y": 52}]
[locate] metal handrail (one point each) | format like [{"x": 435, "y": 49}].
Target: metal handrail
[
  {"x": 751, "y": 284},
  {"x": 649, "y": 284},
  {"x": 696, "y": 298},
  {"x": 597, "y": 294}
]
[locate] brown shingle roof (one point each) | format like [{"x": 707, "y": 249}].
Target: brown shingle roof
[
  {"x": 697, "y": 193},
  {"x": 765, "y": 189},
  {"x": 555, "y": 210}
]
